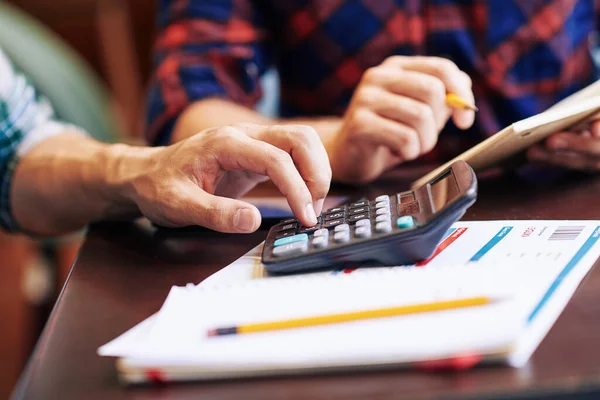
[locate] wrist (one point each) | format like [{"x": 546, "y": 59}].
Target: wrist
[{"x": 122, "y": 166}]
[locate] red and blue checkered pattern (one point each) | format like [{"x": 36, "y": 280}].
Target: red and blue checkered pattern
[{"x": 523, "y": 55}]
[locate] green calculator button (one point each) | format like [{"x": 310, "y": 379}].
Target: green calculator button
[
  {"x": 303, "y": 237},
  {"x": 405, "y": 222}
]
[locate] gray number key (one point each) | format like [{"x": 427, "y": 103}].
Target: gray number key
[
  {"x": 383, "y": 227},
  {"x": 363, "y": 231},
  {"x": 363, "y": 222}
]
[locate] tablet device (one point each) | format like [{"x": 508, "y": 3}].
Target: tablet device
[{"x": 572, "y": 113}]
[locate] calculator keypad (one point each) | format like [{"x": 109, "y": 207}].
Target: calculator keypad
[{"x": 360, "y": 220}]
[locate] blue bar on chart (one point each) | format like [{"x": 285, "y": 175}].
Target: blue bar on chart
[
  {"x": 489, "y": 245},
  {"x": 570, "y": 265}
]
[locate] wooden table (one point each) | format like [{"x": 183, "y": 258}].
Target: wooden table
[{"x": 124, "y": 272}]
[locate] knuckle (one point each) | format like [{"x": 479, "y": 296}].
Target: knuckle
[
  {"x": 226, "y": 136},
  {"x": 445, "y": 68},
  {"x": 229, "y": 131},
  {"x": 367, "y": 96},
  {"x": 432, "y": 88},
  {"x": 411, "y": 151},
  {"x": 304, "y": 134},
  {"x": 445, "y": 64},
  {"x": 278, "y": 157},
  {"x": 410, "y": 144},
  {"x": 420, "y": 114},
  {"x": 359, "y": 119},
  {"x": 373, "y": 75},
  {"x": 394, "y": 60}
]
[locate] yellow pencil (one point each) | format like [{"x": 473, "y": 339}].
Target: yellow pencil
[
  {"x": 456, "y": 101},
  {"x": 352, "y": 316}
]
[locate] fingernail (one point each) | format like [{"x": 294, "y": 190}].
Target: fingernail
[
  {"x": 319, "y": 206},
  {"x": 244, "y": 220},
  {"x": 310, "y": 214},
  {"x": 558, "y": 143}
]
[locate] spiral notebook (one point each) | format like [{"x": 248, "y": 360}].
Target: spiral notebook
[{"x": 531, "y": 267}]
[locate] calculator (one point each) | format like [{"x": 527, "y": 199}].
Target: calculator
[{"x": 397, "y": 229}]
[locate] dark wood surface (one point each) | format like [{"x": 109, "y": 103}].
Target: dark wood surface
[{"x": 124, "y": 273}]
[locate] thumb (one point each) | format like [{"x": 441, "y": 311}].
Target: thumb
[
  {"x": 463, "y": 118},
  {"x": 223, "y": 214}
]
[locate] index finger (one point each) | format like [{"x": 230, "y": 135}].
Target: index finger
[
  {"x": 307, "y": 151},
  {"x": 260, "y": 157},
  {"x": 455, "y": 80}
]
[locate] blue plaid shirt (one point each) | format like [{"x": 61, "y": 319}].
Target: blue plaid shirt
[
  {"x": 522, "y": 55},
  {"x": 26, "y": 119}
]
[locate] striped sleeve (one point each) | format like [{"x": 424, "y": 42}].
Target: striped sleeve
[{"x": 26, "y": 119}]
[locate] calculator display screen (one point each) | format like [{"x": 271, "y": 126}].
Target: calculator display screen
[{"x": 444, "y": 190}]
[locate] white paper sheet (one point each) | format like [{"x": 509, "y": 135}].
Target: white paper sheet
[{"x": 539, "y": 262}]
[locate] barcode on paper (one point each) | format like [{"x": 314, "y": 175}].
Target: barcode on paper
[{"x": 566, "y": 233}]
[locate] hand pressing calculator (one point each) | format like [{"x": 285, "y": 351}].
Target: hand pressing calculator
[{"x": 398, "y": 229}]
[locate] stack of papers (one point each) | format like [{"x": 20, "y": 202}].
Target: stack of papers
[{"x": 533, "y": 266}]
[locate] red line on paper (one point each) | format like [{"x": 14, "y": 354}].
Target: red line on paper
[{"x": 443, "y": 246}]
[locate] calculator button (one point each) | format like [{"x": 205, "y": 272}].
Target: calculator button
[
  {"x": 362, "y": 231},
  {"x": 321, "y": 232},
  {"x": 341, "y": 237},
  {"x": 332, "y": 223},
  {"x": 285, "y": 234},
  {"x": 308, "y": 229},
  {"x": 383, "y": 227},
  {"x": 381, "y": 211},
  {"x": 359, "y": 210},
  {"x": 287, "y": 226},
  {"x": 336, "y": 209},
  {"x": 303, "y": 237},
  {"x": 288, "y": 221},
  {"x": 382, "y": 198},
  {"x": 360, "y": 204},
  {"x": 342, "y": 227},
  {"x": 357, "y": 217},
  {"x": 382, "y": 204},
  {"x": 363, "y": 222},
  {"x": 290, "y": 249},
  {"x": 329, "y": 217},
  {"x": 405, "y": 222},
  {"x": 382, "y": 218},
  {"x": 320, "y": 241}
]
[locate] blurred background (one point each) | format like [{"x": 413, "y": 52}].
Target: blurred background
[{"x": 108, "y": 44}]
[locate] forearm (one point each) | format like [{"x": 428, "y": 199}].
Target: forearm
[
  {"x": 214, "y": 112},
  {"x": 69, "y": 180}
]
